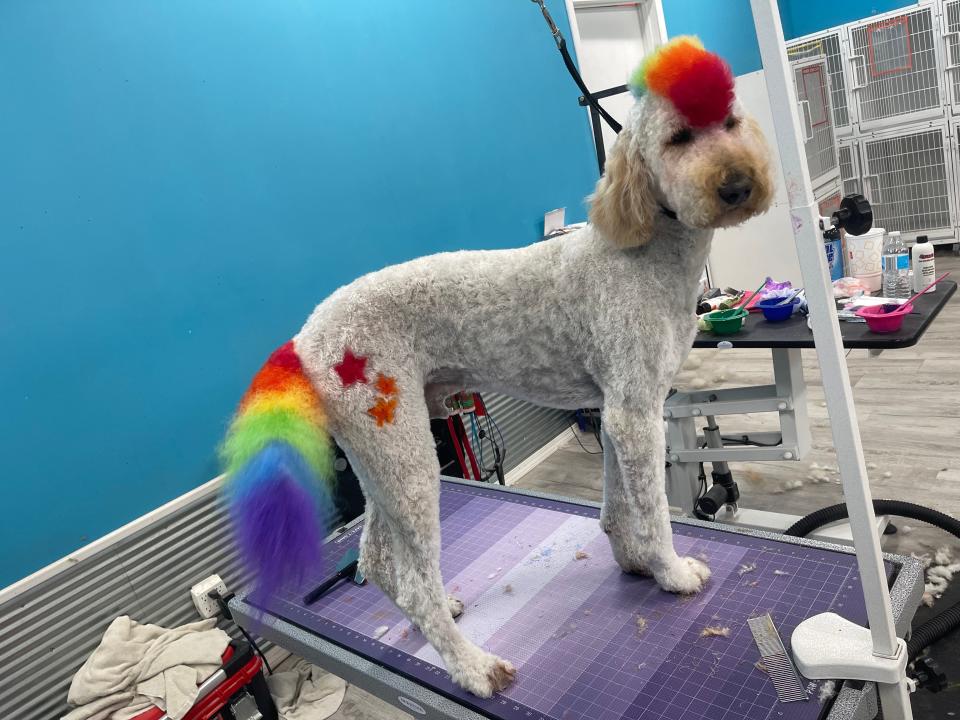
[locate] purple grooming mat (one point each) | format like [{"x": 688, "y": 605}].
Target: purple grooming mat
[{"x": 541, "y": 589}]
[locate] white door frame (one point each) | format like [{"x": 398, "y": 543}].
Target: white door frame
[
  {"x": 643, "y": 7},
  {"x": 573, "y": 5}
]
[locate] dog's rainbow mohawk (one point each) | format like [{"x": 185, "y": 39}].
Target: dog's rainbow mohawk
[
  {"x": 278, "y": 458},
  {"x": 698, "y": 83}
]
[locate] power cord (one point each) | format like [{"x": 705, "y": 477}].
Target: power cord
[
  {"x": 745, "y": 440},
  {"x": 583, "y": 447},
  {"x": 499, "y": 447},
  {"x": 702, "y": 478},
  {"x": 223, "y": 604}
]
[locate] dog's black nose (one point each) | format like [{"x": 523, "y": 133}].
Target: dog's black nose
[{"x": 736, "y": 189}]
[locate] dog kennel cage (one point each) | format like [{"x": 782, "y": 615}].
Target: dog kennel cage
[
  {"x": 950, "y": 23},
  {"x": 830, "y": 203},
  {"x": 828, "y": 47},
  {"x": 812, "y": 83},
  {"x": 953, "y": 150},
  {"x": 897, "y": 76},
  {"x": 907, "y": 176},
  {"x": 848, "y": 152}
]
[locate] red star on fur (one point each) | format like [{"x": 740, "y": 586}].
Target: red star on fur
[
  {"x": 351, "y": 368},
  {"x": 383, "y": 411},
  {"x": 386, "y": 385}
]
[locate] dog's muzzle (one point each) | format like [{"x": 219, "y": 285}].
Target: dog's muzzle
[{"x": 736, "y": 189}]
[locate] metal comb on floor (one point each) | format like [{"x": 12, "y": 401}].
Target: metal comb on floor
[{"x": 779, "y": 666}]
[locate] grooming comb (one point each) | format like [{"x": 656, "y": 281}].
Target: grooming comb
[
  {"x": 347, "y": 569},
  {"x": 779, "y": 666}
]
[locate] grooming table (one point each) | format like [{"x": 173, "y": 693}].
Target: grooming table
[
  {"x": 571, "y": 626},
  {"x": 786, "y": 396}
]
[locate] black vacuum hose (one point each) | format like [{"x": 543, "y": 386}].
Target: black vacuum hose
[{"x": 935, "y": 628}]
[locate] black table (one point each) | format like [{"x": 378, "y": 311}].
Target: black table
[
  {"x": 794, "y": 333},
  {"x": 786, "y": 396}
]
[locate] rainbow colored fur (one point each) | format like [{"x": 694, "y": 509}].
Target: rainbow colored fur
[
  {"x": 277, "y": 456},
  {"x": 698, "y": 83}
]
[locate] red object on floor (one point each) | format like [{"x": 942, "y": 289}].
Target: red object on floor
[
  {"x": 467, "y": 447},
  {"x": 455, "y": 441},
  {"x": 239, "y": 672}
]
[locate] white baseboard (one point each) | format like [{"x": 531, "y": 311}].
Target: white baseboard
[{"x": 538, "y": 457}]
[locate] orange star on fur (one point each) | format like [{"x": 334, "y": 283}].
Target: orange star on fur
[
  {"x": 383, "y": 411},
  {"x": 386, "y": 385}
]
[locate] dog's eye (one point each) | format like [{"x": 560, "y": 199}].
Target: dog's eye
[
  {"x": 731, "y": 122},
  {"x": 681, "y": 137}
]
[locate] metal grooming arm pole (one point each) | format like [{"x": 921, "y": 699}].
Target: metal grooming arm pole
[{"x": 826, "y": 646}]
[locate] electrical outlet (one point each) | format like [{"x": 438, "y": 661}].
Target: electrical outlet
[
  {"x": 553, "y": 220},
  {"x": 206, "y": 606}
]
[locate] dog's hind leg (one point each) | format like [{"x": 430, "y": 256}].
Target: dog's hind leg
[
  {"x": 376, "y": 553},
  {"x": 635, "y": 514},
  {"x": 401, "y": 547}
]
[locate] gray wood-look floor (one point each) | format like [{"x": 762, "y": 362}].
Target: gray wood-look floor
[
  {"x": 908, "y": 403},
  {"x": 357, "y": 704}
]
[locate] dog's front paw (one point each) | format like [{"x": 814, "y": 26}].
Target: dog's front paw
[
  {"x": 484, "y": 675},
  {"x": 686, "y": 576},
  {"x": 455, "y": 605}
]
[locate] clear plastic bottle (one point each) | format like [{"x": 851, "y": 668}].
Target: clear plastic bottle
[{"x": 896, "y": 267}]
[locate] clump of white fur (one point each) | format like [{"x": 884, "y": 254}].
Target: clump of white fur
[
  {"x": 827, "y": 690},
  {"x": 940, "y": 571},
  {"x": 715, "y": 631}
]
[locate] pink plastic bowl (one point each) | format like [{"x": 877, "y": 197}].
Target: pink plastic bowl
[{"x": 880, "y": 322}]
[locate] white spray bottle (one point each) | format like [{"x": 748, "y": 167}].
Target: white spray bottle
[{"x": 924, "y": 267}]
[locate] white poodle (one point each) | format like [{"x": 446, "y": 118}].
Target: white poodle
[{"x": 376, "y": 359}]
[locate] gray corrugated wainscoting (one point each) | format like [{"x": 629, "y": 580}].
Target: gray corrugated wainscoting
[
  {"x": 47, "y": 631},
  {"x": 526, "y": 428}
]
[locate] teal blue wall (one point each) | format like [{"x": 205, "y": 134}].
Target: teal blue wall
[
  {"x": 727, "y": 27},
  {"x": 183, "y": 180},
  {"x": 802, "y": 17}
]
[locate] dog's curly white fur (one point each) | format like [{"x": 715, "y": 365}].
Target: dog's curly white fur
[
  {"x": 503, "y": 321},
  {"x": 687, "y": 161}
]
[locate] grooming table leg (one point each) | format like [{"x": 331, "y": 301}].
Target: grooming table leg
[
  {"x": 788, "y": 377},
  {"x": 682, "y": 482}
]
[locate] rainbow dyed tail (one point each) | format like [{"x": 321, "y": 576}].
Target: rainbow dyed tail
[{"x": 278, "y": 457}]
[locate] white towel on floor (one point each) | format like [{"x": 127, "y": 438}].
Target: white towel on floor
[
  {"x": 305, "y": 692},
  {"x": 138, "y": 666}
]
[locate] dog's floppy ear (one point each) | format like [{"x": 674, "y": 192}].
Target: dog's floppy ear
[{"x": 623, "y": 207}]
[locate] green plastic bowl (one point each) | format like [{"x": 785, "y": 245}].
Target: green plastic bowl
[{"x": 727, "y": 322}]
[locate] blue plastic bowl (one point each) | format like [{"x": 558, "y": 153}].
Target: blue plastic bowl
[{"x": 777, "y": 313}]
